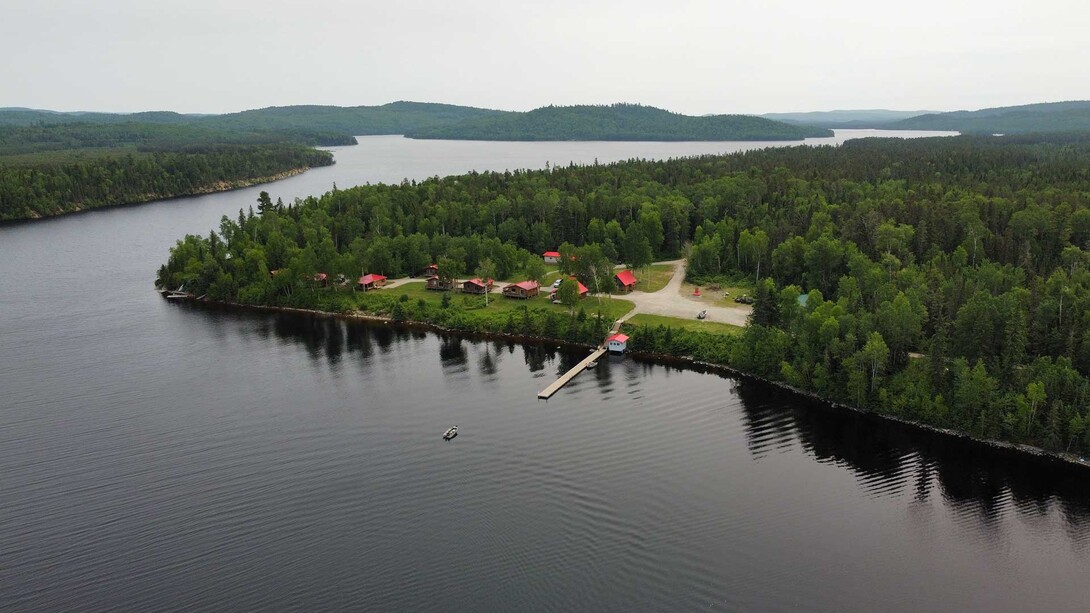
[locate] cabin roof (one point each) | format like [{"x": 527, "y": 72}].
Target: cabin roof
[
  {"x": 551, "y": 254},
  {"x": 620, "y": 338},
  {"x": 478, "y": 282},
  {"x": 527, "y": 285},
  {"x": 626, "y": 277},
  {"x": 371, "y": 278}
]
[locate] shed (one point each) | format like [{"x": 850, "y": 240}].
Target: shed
[
  {"x": 371, "y": 281},
  {"x": 617, "y": 343},
  {"x": 477, "y": 286},
  {"x": 551, "y": 257},
  {"x": 626, "y": 281},
  {"x": 524, "y": 289},
  {"x": 436, "y": 283}
]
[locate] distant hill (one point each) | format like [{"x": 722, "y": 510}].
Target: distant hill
[
  {"x": 844, "y": 118},
  {"x": 617, "y": 122},
  {"x": 313, "y": 125},
  {"x": 1073, "y": 116}
]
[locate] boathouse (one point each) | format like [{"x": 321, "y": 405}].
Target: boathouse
[
  {"x": 371, "y": 281},
  {"x": 436, "y": 283},
  {"x": 551, "y": 257},
  {"x": 626, "y": 281},
  {"x": 525, "y": 289},
  {"x": 477, "y": 286},
  {"x": 617, "y": 343}
]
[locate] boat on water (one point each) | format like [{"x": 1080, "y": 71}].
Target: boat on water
[
  {"x": 451, "y": 433},
  {"x": 592, "y": 364}
]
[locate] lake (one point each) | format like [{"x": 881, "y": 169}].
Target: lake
[{"x": 161, "y": 456}]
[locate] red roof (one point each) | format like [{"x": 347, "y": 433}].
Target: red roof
[
  {"x": 626, "y": 277},
  {"x": 372, "y": 278},
  {"x": 478, "y": 282},
  {"x": 551, "y": 254},
  {"x": 527, "y": 285},
  {"x": 582, "y": 288},
  {"x": 320, "y": 276},
  {"x": 620, "y": 338}
]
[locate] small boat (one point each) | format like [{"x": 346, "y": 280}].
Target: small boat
[
  {"x": 451, "y": 433},
  {"x": 592, "y": 364}
]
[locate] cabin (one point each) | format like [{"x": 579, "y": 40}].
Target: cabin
[
  {"x": 582, "y": 290},
  {"x": 435, "y": 283},
  {"x": 431, "y": 270},
  {"x": 321, "y": 279},
  {"x": 617, "y": 343},
  {"x": 525, "y": 289},
  {"x": 370, "y": 282},
  {"x": 477, "y": 286},
  {"x": 551, "y": 257},
  {"x": 626, "y": 281}
]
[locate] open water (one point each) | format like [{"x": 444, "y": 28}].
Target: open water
[{"x": 160, "y": 456}]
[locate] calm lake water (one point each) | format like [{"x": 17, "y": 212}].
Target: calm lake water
[{"x": 159, "y": 456}]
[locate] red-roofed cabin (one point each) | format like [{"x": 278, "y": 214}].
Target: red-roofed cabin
[
  {"x": 626, "y": 281},
  {"x": 431, "y": 270},
  {"x": 321, "y": 279},
  {"x": 551, "y": 257},
  {"x": 434, "y": 282},
  {"x": 477, "y": 286},
  {"x": 372, "y": 281},
  {"x": 525, "y": 289},
  {"x": 582, "y": 289},
  {"x": 617, "y": 343}
]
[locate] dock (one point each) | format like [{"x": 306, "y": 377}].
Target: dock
[{"x": 568, "y": 376}]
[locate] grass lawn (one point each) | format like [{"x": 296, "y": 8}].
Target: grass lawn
[
  {"x": 694, "y": 325},
  {"x": 499, "y": 305},
  {"x": 654, "y": 278}
]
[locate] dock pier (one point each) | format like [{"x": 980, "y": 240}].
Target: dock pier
[{"x": 568, "y": 376}]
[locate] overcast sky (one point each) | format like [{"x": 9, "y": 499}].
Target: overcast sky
[{"x": 702, "y": 56}]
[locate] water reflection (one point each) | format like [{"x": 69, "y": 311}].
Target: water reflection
[{"x": 978, "y": 483}]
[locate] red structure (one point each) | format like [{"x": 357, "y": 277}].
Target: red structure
[
  {"x": 582, "y": 289},
  {"x": 476, "y": 286},
  {"x": 371, "y": 281},
  {"x": 551, "y": 257},
  {"x": 626, "y": 281},
  {"x": 525, "y": 289}
]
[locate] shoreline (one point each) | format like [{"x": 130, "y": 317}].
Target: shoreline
[
  {"x": 1067, "y": 460},
  {"x": 215, "y": 188}
]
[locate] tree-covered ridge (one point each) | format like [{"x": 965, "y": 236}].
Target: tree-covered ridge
[
  {"x": 617, "y": 122},
  {"x": 947, "y": 280},
  {"x": 43, "y": 185},
  {"x": 1045, "y": 117}
]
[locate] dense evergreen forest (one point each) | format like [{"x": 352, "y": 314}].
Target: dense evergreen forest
[
  {"x": 947, "y": 280},
  {"x": 53, "y": 183},
  {"x": 617, "y": 122}
]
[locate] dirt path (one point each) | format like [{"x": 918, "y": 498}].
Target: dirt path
[{"x": 670, "y": 301}]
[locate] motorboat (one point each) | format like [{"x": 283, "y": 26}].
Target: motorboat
[
  {"x": 451, "y": 433},
  {"x": 592, "y": 364}
]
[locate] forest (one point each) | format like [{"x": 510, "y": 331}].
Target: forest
[
  {"x": 617, "y": 122},
  {"x": 941, "y": 280},
  {"x": 1043, "y": 117}
]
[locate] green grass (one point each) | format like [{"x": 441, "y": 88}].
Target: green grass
[
  {"x": 693, "y": 325},
  {"x": 654, "y": 278},
  {"x": 500, "y": 305}
]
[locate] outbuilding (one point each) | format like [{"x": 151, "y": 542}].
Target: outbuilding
[
  {"x": 371, "y": 281},
  {"x": 524, "y": 289},
  {"x": 617, "y": 343},
  {"x": 626, "y": 281},
  {"x": 551, "y": 257},
  {"x": 437, "y": 283}
]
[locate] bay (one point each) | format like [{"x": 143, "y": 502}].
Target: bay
[{"x": 156, "y": 456}]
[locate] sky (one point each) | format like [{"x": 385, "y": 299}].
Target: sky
[{"x": 693, "y": 57}]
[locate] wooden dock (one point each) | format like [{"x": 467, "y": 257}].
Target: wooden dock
[{"x": 568, "y": 376}]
